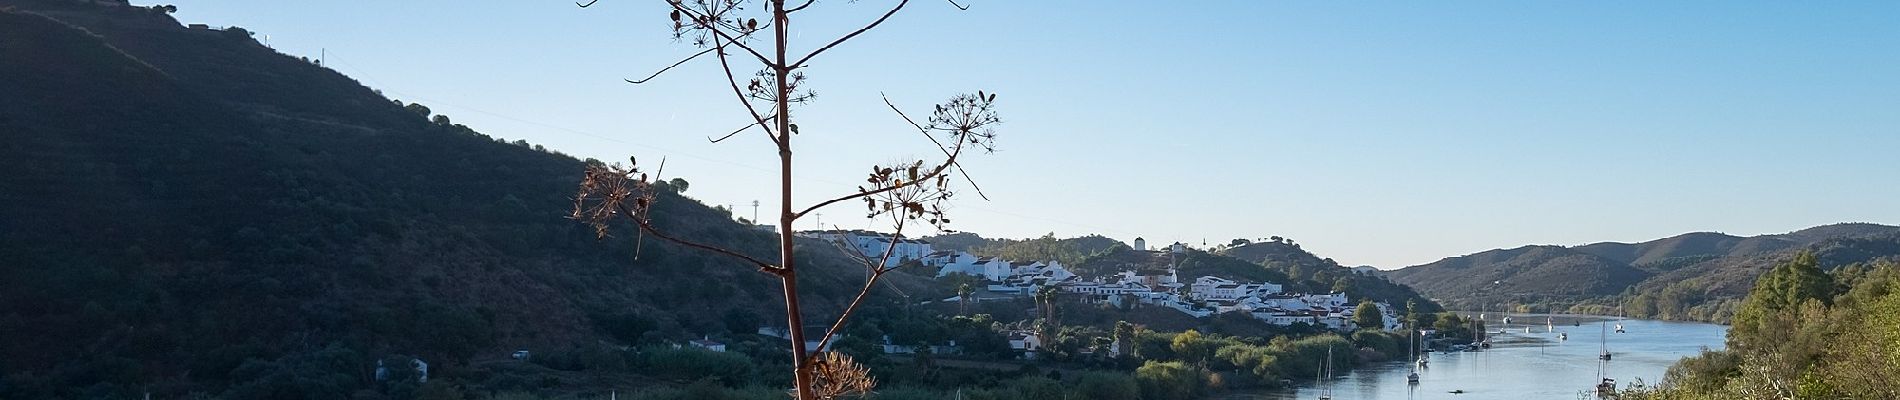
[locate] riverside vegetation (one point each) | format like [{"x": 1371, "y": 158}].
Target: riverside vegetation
[{"x": 1801, "y": 333}]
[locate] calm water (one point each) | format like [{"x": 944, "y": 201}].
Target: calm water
[{"x": 1524, "y": 366}]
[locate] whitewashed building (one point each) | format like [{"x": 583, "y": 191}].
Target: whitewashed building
[{"x": 873, "y": 244}]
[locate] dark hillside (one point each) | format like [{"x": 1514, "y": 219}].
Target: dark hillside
[{"x": 187, "y": 211}]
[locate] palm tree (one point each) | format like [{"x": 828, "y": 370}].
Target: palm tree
[
  {"x": 964, "y": 293},
  {"x": 1046, "y": 301}
]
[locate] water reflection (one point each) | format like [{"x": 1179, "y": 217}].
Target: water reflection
[{"x": 1534, "y": 365}]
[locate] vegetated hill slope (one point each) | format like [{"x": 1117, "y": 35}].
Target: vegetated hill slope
[
  {"x": 959, "y": 241},
  {"x": 1712, "y": 290},
  {"x": 189, "y": 211},
  {"x": 1601, "y": 276},
  {"x": 1069, "y": 251},
  {"x": 1285, "y": 261},
  {"x": 1529, "y": 272}
]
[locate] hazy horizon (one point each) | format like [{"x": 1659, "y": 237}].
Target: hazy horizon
[{"x": 1386, "y": 134}]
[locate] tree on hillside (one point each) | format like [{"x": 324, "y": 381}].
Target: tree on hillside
[
  {"x": 1124, "y": 339},
  {"x": 1367, "y": 316},
  {"x": 419, "y": 109},
  {"x": 1781, "y": 291},
  {"x": 902, "y": 194},
  {"x": 1191, "y": 346},
  {"x": 964, "y": 293}
]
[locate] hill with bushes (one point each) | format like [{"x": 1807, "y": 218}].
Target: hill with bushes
[
  {"x": 189, "y": 211},
  {"x": 1696, "y": 276}
]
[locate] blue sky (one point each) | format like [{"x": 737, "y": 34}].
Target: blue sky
[{"x": 1382, "y": 133}]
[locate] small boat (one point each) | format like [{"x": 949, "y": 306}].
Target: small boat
[
  {"x": 1605, "y": 343},
  {"x": 1606, "y": 387},
  {"x": 1619, "y": 319},
  {"x": 1411, "y": 347},
  {"x": 1325, "y": 373}
]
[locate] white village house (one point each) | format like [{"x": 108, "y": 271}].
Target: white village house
[{"x": 872, "y": 245}]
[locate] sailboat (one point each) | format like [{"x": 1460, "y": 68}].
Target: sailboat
[
  {"x": 1326, "y": 373},
  {"x": 1619, "y": 319},
  {"x": 1606, "y": 387},
  {"x": 1605, "y": 343},
  {"x": 1411, "y": 347}
]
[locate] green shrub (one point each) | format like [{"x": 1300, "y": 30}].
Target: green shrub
[
  {"x": 693, "y": 363},
  {"x": 1169, "y": 381},
  {"x": 1102, "y": 386}
]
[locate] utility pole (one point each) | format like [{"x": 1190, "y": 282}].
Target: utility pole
[{"x": 755, "y": 211}]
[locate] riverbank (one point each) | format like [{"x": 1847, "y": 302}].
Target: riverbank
[{"x": 1535, "y": 365}]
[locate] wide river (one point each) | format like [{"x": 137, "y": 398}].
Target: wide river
[{"x": 1535, "y": 365}]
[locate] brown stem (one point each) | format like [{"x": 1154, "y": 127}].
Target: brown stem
[{"x": 801, "y": 368}]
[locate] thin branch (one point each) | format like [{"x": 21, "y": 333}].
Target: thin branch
[
  {"x": 955, "y": 152},
  {"x": 953, "y": 3},
  {"x": 734, "y": 132},
  {"x": 589, "y": 3},
  {"x": 940, "y": 146},
  {"x": 726, "y": 65},
  {"x": 800, "y": 7},
  {"x": 834, "y": 43},
  {"x": 920, "y": 178},
  {"x": 663, "y": 70},
  {"x": 877, "y": 271},
  {"x": 647, "y": 226}
]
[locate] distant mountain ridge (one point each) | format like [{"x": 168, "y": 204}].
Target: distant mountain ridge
[{"x": 1608, "y": 274}]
